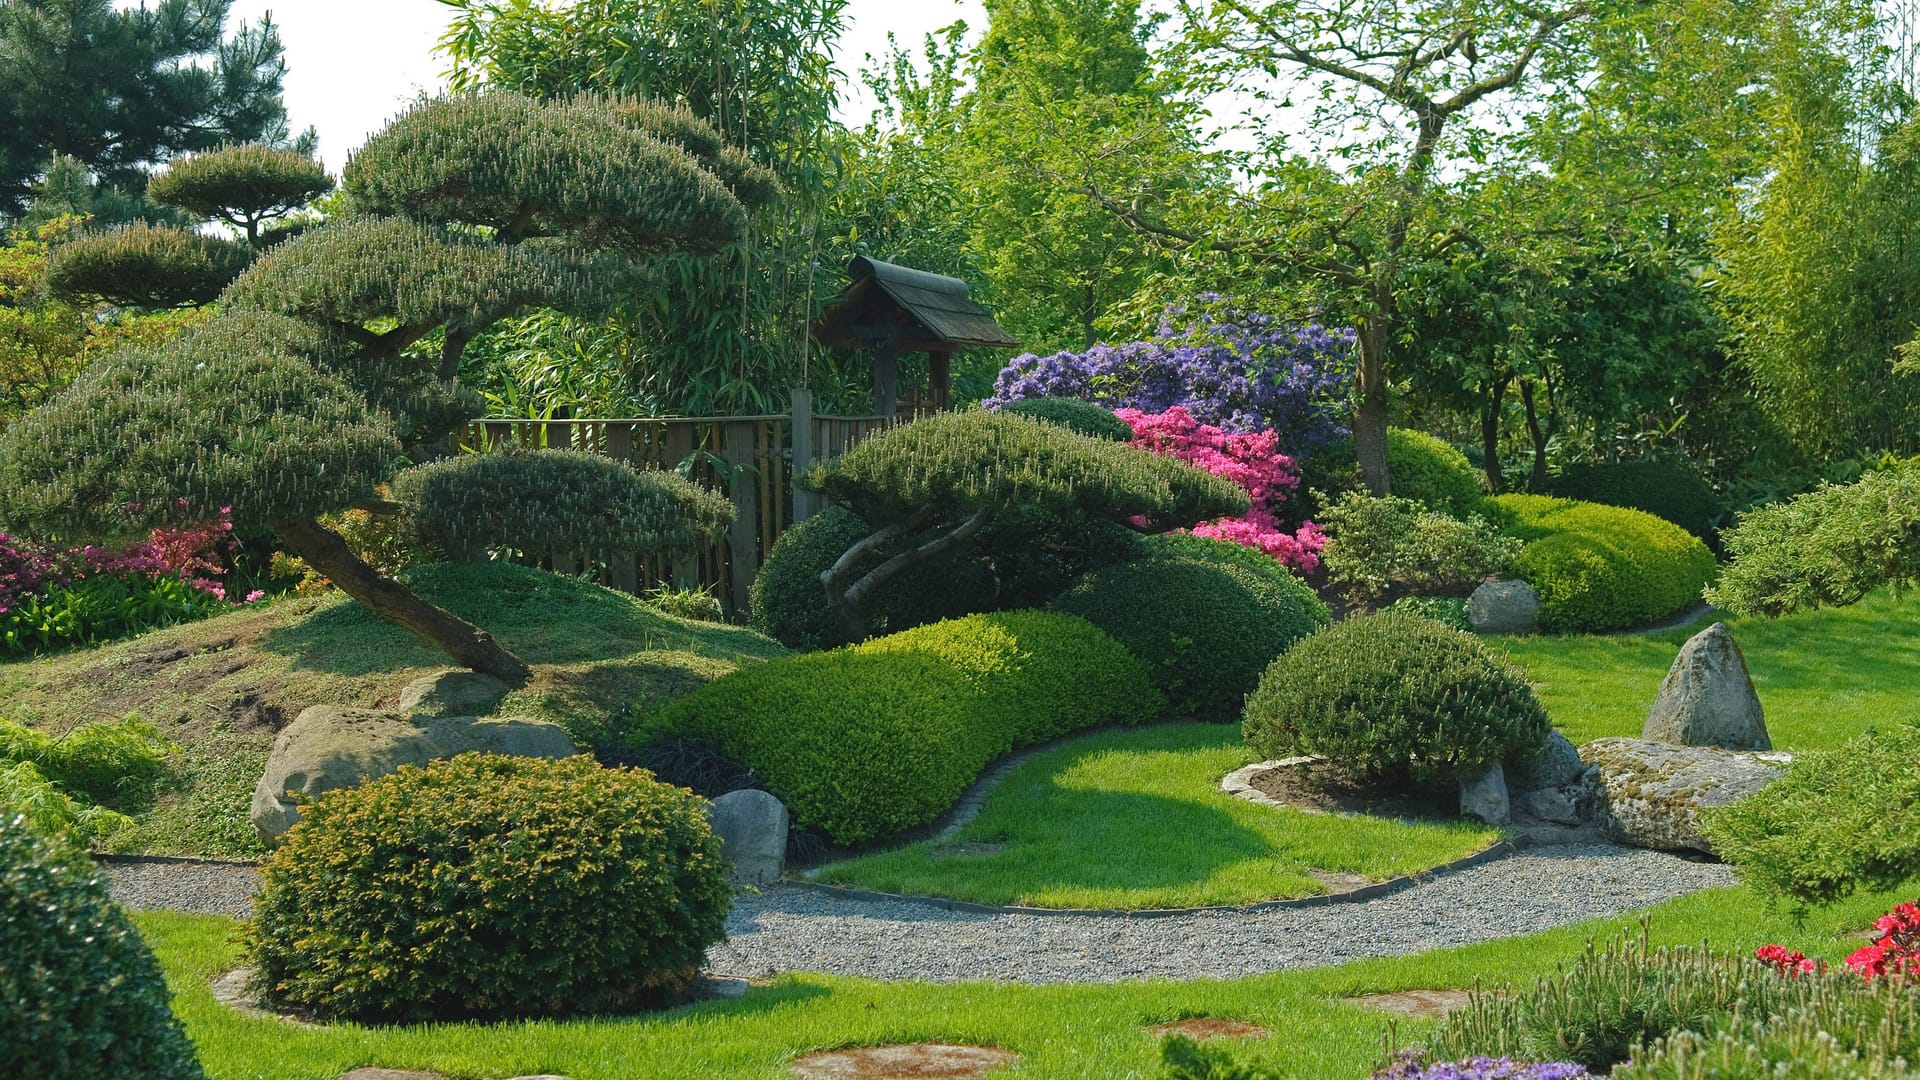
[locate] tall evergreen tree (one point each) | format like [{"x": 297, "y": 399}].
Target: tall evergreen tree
[{"x": 120, "y": 90}]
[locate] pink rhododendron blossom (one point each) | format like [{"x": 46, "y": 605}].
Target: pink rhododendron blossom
[{"x": 1253, "y": 461}]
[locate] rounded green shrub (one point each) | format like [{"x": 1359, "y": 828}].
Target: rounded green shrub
[
  {"x": 145, "y": 266},
  {"x": 790, "y": 605},
  {"x": 1185, "y": 545},
  {"x": 244, "y": 186},
  {"x": 80, "y": 994},
  {"x": 1824, "y": 548},
  {"x": 1395, "y": 699},
  {"x": 1600, "y": 568},
  {"x": 1665, "y": 489},
  {"x": 865, "y": 741},
  {"x": 1382, "y": 547},
  {"x": 1206, "y": 628},
  {"x": 1419, "y": 467},
  {"x": 1084, "y": 417},
  {"x": 1040, "y": 673},
  {"x": 490, "y": 886},
  {"x": 557, "y": 500}
]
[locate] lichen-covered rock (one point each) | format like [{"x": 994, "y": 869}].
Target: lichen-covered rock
[
  {"x": 328, "y": 747},
  {"x": 452, "y": 693},
  {"x": 1556, "y": 764},
  {"x": 1504, "y": 607},
  {"x": 752, "y": 827},
  {"x": 1485, "y": 797},
  {"x": 1707, "y": 698},
  {"x": 1652, "y": 792}
]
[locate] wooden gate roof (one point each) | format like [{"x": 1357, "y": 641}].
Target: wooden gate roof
[{"x": 913, "y": 309}]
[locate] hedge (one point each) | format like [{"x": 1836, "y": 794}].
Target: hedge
[
  {"x": 1599, "y": 568},
  {"x": 1666, "y": 490}
]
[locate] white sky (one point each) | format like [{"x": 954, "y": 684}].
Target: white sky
[{"x": 353, "y": 64}]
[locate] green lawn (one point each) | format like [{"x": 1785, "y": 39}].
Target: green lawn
[
  {"x": 1136, "y": 819},
  {"x": 1823, "y": 676},
  {"x": 1094, "y": 1032}
]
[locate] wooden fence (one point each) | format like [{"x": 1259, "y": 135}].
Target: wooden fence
[{"x": 752, "y": 460}]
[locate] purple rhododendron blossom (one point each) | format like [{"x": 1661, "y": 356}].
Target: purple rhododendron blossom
[
  {"x": 1409, "y": 1066},
  {"x": 1237, "y": 371}
]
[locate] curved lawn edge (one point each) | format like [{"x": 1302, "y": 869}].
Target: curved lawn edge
[{"x": 1498, "y": 850}]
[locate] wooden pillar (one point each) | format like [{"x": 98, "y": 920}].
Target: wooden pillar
[
  {"x": 804, "y": 502},
  {"x": 685, "y": 572},
  {"x": 886, "y": 378},
  {"x": 940, "y": 378},
  {"x": 623, "y": 568},
  {"x": 738, "y": 445}
]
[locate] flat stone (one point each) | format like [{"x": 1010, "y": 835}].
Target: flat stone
[
  {"x": 1561, "y": 805},
  {"x": 1652, "y": 793},
  {"x": 1556, "y": 764},
  {"x": 912, "y": 1061},
  {"x": 452, "y": 693},
  {"x": 1485, "y": 797},
  {"x": 327, "y": 748},
  {"x": 1707, "y": 698},
  {"x": 752, "y": 827},
  {"x": 1423, "y": 1003},
  {"x": 1504, "y": 607},
  {"x": 1207, "y": 1027}
]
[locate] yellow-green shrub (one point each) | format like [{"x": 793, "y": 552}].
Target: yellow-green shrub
[
  {"x": 1600, "y": 568},
  {"x": 485, "y": 885}
]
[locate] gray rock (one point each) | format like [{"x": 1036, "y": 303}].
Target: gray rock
[
  {"x": 1556, "y": 764},
  {"x": 1707, "y": 698},
  {"x": 752, "y": 827},
  {"x": 1485, "y": 797},
  {"x": 1559, "y": 805},
  {"x": 1652, "y": 793},
  {"x": 1504, "y": 607},
  {"x": 452, "y": 693},
  {"x": 328, "y": 747}
]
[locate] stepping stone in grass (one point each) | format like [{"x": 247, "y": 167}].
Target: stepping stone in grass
[
  {"x": 912, "y": 1061},
  {"x": 1423, "y": 1003},
  {"x": 1207, "y": 1027}
]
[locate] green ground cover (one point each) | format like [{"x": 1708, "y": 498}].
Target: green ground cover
[
  {"x": 1823, "y": 676},
  {"x": 1095, "y": 1031},
  {"x": 1136, "y": 819}
]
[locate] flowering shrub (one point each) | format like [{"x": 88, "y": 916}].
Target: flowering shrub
[
  {"x": 1895, "y": 953},
  {"x": 1238, "y": 371},
  {"x": 51, "y": 596},
  {"x": 1253, "y": 461},
  {"x": 1788, "y": 961},
  {"x": 1410, "y": 1066}
]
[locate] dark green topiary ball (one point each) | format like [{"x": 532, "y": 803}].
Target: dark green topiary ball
[
  {"x": 1084, "y": 417},
  {"x": 1395, "y": 699},
  {"x": 1206, "y": 627},
  {"x": 490, "y": 886},
  {"x": 80, "y": 994}
]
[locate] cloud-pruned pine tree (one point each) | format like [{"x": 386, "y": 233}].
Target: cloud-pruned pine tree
[{"x": 304, "y": 393}]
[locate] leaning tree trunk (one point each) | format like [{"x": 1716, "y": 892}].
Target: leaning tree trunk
[
  {"x": 326, "y": 552},
  {"x": 1370, "y": 415},
  {"x": 844, "y": 596}
]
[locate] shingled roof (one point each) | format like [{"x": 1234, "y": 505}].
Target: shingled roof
[{"x": 936, "y": 310}]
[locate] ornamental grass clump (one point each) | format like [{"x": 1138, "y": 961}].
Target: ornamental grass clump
[
  {"x": 490, "y": 886},
  {"x": 1395, "y": 700}
]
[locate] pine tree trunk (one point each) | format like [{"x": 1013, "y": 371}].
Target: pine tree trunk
[{"x": 467, "y": 644}]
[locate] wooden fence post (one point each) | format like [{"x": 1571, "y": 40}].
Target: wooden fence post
[
  {"x": 803, "y": 501},
  {"x": 743, "y": 549}
]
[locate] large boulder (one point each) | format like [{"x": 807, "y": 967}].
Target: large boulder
[
  {"x": 752, "y": 827},
  {"x": 328, "y": 747},
  {"x": 452, "y": 693},
  {"x": 1556, "y": 764},
  {"x": 1707, "y": 698},
  {"x": 1652, "y": 793},
  {"x": 1504, "y": 607},
  {"x": 1485, "y": 797}
]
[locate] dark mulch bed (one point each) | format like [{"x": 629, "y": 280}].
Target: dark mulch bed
[{"x": 1318, "y": 788}]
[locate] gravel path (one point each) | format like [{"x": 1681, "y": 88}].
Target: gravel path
[
  {"x": 793, "y": 929},
  {"x": 786, "y": 929}
]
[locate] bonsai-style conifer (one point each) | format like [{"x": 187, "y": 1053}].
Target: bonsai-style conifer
[{"x": 302, "y": 394}]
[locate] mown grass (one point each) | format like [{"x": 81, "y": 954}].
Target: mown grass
[
  {"x": 1096, "y": 1032},
  {"x": 222, "y": 687},
  {"x": 1823, "y": 676},
  {"x": 1136, "y": 819}
]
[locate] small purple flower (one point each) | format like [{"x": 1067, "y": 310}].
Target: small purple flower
[{"x": 1410, "y": 1066}]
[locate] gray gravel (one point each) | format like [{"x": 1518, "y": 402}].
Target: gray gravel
[
  {"x": 201, "y": 888},
  {"x": 785, "y": 928},
  {"x": 789, "y": 929}
]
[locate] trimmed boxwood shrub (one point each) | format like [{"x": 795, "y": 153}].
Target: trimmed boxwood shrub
[
  {"x": 865, "y": 741},
  {"x": 1395, "y": 699},
  {"x": 1667, "y": 490},
  {"x": 1206, "y": 627},
  {"x": 490, "y": 886},
  {"x": 1084, "y": 417},
  {"x": 1600, "y": 568},
  {"x": 790, "y": 605},
  {"x": 80, "y": 994},
  {"x": 1419, "y": 467}
]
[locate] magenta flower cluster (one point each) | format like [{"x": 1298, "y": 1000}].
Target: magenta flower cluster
[
  {"x": 1410, "y": 1066},
  {"x": 1250, "y": 459},
  {"x": 196, "y": 553},
  {"x": 1237, "y": 371}
]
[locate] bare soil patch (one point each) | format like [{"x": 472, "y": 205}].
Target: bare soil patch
[
  {"x": 1315, "y": 788},
  {"x": 1419, "y": 1003},
  {"x": 913, "y": 1061},
  {"x": 1207, "y": 1027}
]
